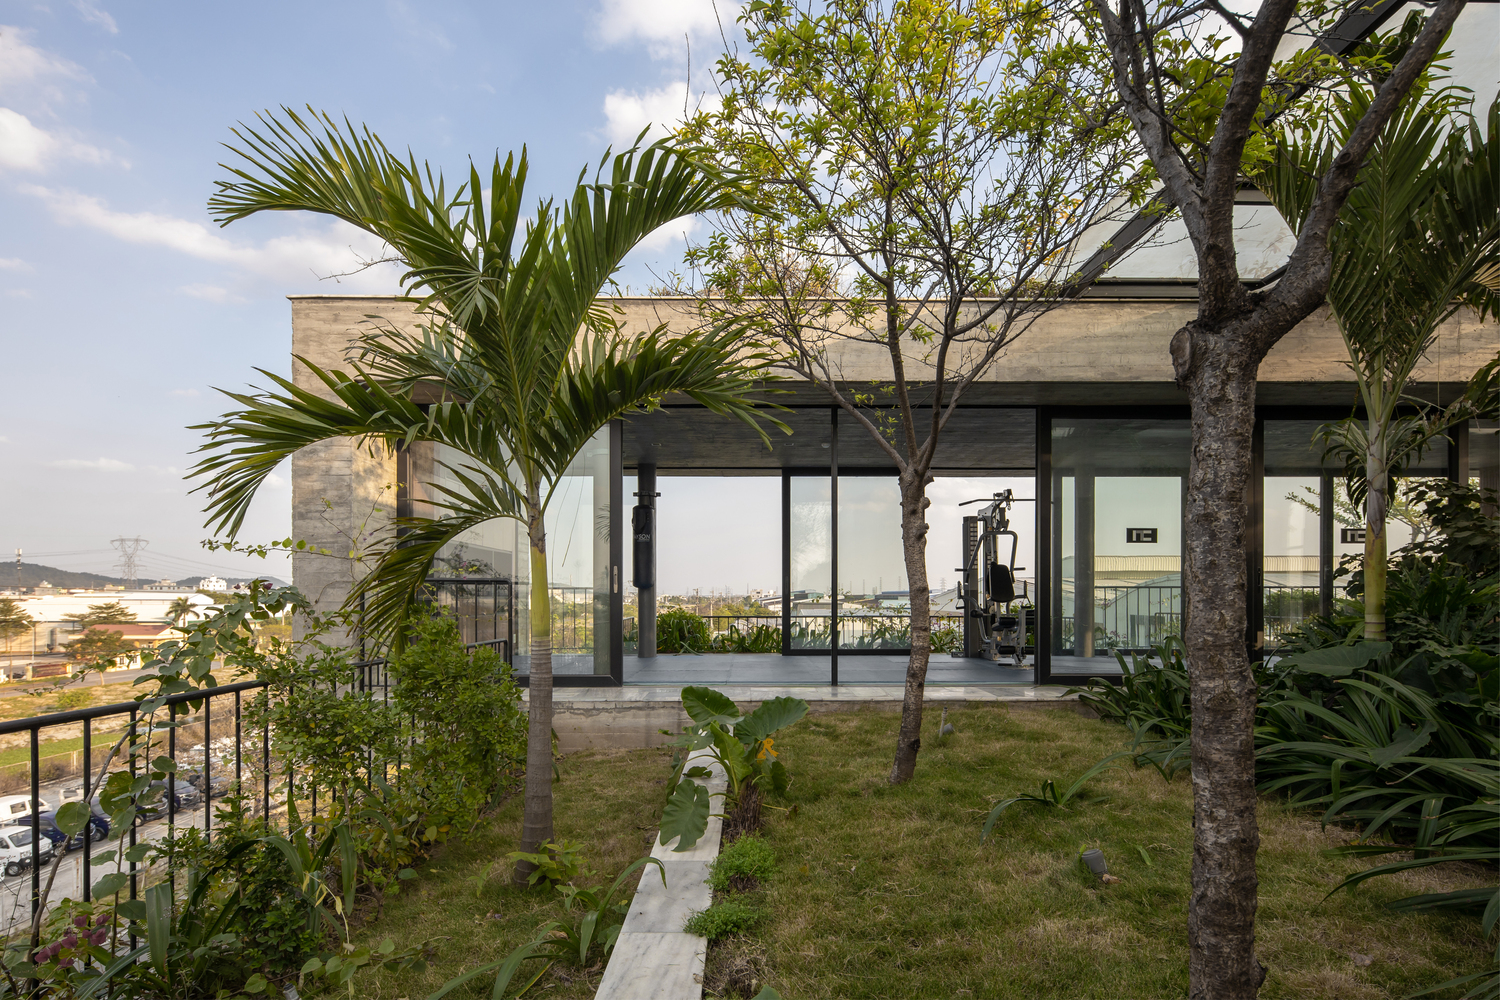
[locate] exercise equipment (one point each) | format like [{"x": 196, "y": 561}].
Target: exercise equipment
[{"x": 995, "y": 620}]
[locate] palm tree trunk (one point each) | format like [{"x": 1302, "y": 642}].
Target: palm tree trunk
[
  {"x": 914, "y": 504},
  {"x": 536, "y": 821},
  {"x": 1376, "y": 507}
]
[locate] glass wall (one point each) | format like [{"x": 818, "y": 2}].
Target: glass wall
[
  {"x": 874, "y": 596},
  {"x": 578, "y": 524},
  {"x": 1116, "y": 559},
  {"x": 1299, "y": 495},
  {"x": 810, "y": 562}
]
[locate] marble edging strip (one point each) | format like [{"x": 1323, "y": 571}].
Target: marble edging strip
[{"x": 654, "y": 958}]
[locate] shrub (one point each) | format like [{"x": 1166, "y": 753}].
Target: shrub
[
  {"x": 723, "y": 919},
  {"x": 749, "y": 856},
  {"x": 678, "y": 630},
  {"x": 470, "y": 732}
]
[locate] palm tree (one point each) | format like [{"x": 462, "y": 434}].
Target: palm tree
[
  {"x": 179, "y": 609},
  {"x": 526, "y": 363},
  {"x": 1416, "y": 240}
]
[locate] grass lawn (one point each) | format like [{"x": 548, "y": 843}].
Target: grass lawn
[
  {"x": 886, "y": 892},
  {"x": 609, "y": 801}
]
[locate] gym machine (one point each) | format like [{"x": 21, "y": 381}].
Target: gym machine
[{"x": 994, "y": 626}]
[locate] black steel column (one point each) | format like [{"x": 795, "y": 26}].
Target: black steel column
[
  {"x": 645, "y": 648},
  {"x": 833, "y": 546},
  {"x": 1326, "y": 485},
  {"x": 786, "y": 563}
]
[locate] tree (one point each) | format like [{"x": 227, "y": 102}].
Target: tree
[
  {"x": 109, "y": 613},
  {"x": 99, "y": 646},
  {"x": 14, "y": 620},
  {"x": 524, "y": 362},
  {"x": 924, "y": 171},
  {"x": 1200, "y": 104},
  {"x": 180, "y": 608},
  {"x": 1413, "y": 236}
]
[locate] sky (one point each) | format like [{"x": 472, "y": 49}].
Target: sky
[{"x": 123, "y": 307}]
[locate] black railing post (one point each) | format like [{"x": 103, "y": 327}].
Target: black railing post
[
  {"x": 88, "y": 801},
  {"x": 36, "y": 821},
  {"x": 208, "y": 784}
]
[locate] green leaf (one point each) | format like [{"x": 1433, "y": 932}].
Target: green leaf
[
  {"x": 685, "y": 816},
  {"x": 72, "y": 817},
  {"x": 705, "y": 705},
  {"x": 1409, "y": 742},
  {"x": 771, "y": 716},
  {"x": 110, "y": 884},
  {"x": 159, "y": 926},
  {"x": 1337, "y": 661}
]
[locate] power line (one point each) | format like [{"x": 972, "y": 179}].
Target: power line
[{"x": 128, "y": 549}]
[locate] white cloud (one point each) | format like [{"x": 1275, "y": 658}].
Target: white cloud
[
  {"x": 676, "y": 233},
  {"x": 96, "y": 464},
  {"x": 13, "y": 264},
  {"x": 23, "y": 146},
  {"x": 336, "y": 248},
  {"x": 274, "y": 481},
  {"x": 211, "y": 293},
  {"x": 662, "y": 24},
  {"x": 18, "y": 293},
  {"x": 22, "y": 62},
  {"x": 626, "y": 112},
  {"x": 93, "y": 14}
]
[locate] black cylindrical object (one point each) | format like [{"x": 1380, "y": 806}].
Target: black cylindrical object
[{"x": 643, "y": 547}]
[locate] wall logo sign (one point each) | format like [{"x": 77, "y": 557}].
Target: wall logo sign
[
  {"x": 1145, "y": 536},
  {"x": 1352, "y": 536}
]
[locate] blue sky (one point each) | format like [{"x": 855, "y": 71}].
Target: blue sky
[{"x": 122, "y": 306}]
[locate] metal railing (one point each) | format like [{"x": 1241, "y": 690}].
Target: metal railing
[
  {"x": 193, "y": 717},
  {"x": 1137, "y": 618}
]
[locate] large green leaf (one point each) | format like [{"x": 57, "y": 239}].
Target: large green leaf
[
  {"x": 773, "y": 715},
  {"x": 72, "y": 817},
  {"x": 685, "y": 816},
  {"x": 1337, "y": 661},
  {"x": 704, "y": 705}
]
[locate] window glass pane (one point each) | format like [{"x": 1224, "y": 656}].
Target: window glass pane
[
  {"x": 874, "y": 596},
  {"x": 811, "y": 561},
  {"x": 1117, "y": 521}
]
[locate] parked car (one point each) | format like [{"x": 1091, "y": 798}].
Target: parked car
[
  {"x": 18, "y": 808},
  {"x": 15, "y": 849},
  {"x": 98, "y": 824}
]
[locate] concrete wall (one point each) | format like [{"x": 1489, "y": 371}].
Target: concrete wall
[{"x": 343, "y": 492}]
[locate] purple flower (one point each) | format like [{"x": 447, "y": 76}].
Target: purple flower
[
  {"x": 80, "y": 921},
  {"x": 71, "y": 941}
]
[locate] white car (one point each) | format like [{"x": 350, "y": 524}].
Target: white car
[
  {"x": 16, "y": 808},
  {"x": 15, "y": 849}
]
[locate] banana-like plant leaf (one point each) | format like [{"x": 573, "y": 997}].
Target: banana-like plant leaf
[
  {"x": 685, "y": 816},
  {"x": 1337, "y": 661},
  {"x": 771, "y": 716},
  {"x": 704, "y": 705}
]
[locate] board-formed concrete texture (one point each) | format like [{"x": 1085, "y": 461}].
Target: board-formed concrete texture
[{"x": 654, "y": 958}]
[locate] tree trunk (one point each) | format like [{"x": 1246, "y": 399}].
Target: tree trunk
[
  {"x": 1377, "y": 504},
  {"x": 1221, "y": 913},
  {"x": 536, "y": 821},
  {"x": 914, "y": 504}
]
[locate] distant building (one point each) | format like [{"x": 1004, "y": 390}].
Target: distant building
[{"x": 214, "y": 584}]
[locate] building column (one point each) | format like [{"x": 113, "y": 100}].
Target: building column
[
  {"x": 1083, "y": 563},
  {"x": 643, "y": 549}
]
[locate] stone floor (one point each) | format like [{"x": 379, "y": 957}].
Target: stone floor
[{"x": 791, "y": 671}]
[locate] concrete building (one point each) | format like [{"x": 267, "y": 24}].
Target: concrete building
[{"x": 1083, "y": 406}]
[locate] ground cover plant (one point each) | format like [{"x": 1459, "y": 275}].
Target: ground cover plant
[
  {"x": 883, "y": 891},
  {"x": 607, "y": 802}
]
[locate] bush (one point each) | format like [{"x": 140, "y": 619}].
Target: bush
[
  {"x": 748, "y": 857},
  {"x": 723, "y": 920},
  {"x": 469, "y": 743},
  {"x": 679, "y": 630}
]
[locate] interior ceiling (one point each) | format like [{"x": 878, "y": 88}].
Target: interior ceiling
[{"x": 689, "y": 438}]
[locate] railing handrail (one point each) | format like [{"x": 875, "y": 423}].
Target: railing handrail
[{"x": 119, "y": 708}]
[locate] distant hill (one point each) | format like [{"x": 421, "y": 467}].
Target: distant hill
[{"x": 33, "y": 575}]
